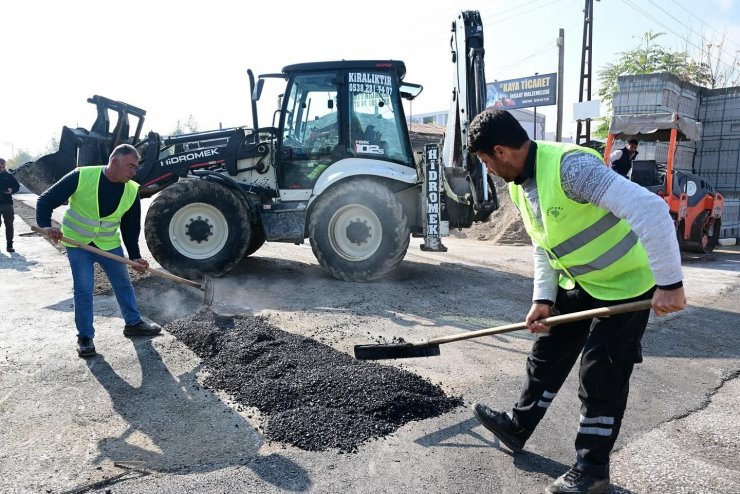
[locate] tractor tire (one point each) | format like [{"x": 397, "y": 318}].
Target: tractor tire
[
  {"x": 196, "y": 227},
  {"x": 256, "y": 241},
  {"x": 359, "y": 230},
  {"x": 704, "y": 234}
]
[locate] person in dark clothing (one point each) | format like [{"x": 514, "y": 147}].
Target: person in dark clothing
[
  {"x": 8, "y": 186},
  {"x": 103, "y": 207},
  {"x": 621, "y": 159},
  {"x": 599, "y": 241}
]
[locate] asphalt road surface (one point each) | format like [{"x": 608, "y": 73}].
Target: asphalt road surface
[{"x": 137, "y": 418}]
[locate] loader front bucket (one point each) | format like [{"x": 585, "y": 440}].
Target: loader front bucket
[
  {"x": 76, "y": 147},
  {"x": 81, "y": 147}
]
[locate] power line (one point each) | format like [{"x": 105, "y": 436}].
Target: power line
[
  {"x": 536, "y": 53},
  {"x": 704, "y": 22},
  {"x": 700, "y": 35},
  {"x": 657, "y": 21}
]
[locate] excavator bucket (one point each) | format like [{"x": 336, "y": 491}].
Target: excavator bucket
[{"x": 81, "y": 147}]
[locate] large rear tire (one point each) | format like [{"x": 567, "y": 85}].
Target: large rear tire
[
  {"x": 359, "y": 230},
  {"x": 196, "y": 227}
]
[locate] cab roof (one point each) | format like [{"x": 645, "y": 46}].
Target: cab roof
[{"x": 397, "y": 65}]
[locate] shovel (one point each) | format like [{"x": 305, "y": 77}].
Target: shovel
[
  {"x": 206, "y": 287},
  {"x": 430, "y": 348}
]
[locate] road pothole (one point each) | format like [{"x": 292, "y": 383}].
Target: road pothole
[{"x": 313, "y": 397}]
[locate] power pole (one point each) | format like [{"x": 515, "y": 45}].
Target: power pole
[
  {"x": 561, "y": 64},
  {"x": 585, "y": 86}
]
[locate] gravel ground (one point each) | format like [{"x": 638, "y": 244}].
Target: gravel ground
[
  {"x": 312, "y": 396},
  {"x": 140, "y": 407}
]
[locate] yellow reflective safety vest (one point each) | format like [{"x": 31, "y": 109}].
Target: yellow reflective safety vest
[
  {"x": 82, "y": 221},
  {"x": 584, "y": 243}
]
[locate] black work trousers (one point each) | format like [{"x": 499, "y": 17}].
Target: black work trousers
[
  {"x": 6, "y": 216},
  {"x": 610, "y": 347}
]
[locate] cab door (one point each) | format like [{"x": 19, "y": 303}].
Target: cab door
[{"x": 310, "y": 126}]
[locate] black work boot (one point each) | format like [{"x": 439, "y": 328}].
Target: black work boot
[
  {"x": 575, "y": 481},
  {"x": 501, "y": 425},
  {"x": 85, "y": 346},
  {"x": 142, "y": 328},
  {"x": 10, "y": 248}
]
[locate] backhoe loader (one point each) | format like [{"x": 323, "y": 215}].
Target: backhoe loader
[{"x": 335, "y": 166}]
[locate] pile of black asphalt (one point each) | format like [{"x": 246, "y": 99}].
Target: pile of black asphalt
[{"x": 312, "y": 396}]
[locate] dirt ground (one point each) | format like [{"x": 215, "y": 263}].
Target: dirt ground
[{"x": 137, "y": 418}]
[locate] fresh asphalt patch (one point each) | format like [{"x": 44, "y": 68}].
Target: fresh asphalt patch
[{"x": 312, "y": 396}]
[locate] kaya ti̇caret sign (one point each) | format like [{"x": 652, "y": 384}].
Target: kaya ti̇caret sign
[{"x": 538, "y": 90}]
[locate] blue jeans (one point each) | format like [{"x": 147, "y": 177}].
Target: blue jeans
[{"x": 82, "y": 263}]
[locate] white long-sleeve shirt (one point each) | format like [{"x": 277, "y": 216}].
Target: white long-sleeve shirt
[{"x": 585, "y": 179}]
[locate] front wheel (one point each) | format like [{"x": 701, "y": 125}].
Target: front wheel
[
  {"x": 197, "y": 227},
  {"x": 359, "y": 230},
  {"x": 704, "y": 234}
]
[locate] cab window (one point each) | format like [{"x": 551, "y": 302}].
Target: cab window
[{"x": 377, "y": 128}]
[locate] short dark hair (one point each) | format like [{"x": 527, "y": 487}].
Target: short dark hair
[
  {"x": 495, "y": 127},
  {"x": 632, "y": 141},
  {"x": 2, "y": 161},
  {"x": 124, "y": 150}
]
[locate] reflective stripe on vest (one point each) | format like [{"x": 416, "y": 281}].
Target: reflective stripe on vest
[
  {"x": 89, "y": 233},
  {"x": 608, "y": 258},
  {"x": 82, "y": 222},
  {"x": 585, "y": 243}
]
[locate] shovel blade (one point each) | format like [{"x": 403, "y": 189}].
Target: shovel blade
[
  {"x": 207, "y": 287},
  {"x": 394, "y": 351}
]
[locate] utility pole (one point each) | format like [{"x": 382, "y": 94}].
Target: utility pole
[
  {"x": 585, "y": 85},
  {"x": 561, "y": 64}
]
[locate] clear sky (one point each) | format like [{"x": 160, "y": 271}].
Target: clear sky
[{"x": 180, "y": 58}]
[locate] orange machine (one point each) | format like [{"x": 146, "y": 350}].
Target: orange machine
[{"x": 695, "y": 206}]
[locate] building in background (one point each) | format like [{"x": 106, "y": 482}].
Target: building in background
[{"x": 524, "y": 116}]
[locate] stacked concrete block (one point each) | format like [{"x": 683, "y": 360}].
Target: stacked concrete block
[
  {"x": 716, "y": 156},
  {"x": 655, "y": 93}
]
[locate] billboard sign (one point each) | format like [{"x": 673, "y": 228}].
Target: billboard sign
[{"x": 525, "y": 92}]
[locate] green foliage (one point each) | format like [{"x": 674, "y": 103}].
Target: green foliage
[
  {"x": 22, "y": 156},
  {"x": 648, "y": 58}
]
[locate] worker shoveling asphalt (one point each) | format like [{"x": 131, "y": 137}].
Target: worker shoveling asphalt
[{"x": 206, "y": 286}]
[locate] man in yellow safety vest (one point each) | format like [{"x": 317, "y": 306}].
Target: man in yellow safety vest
[
  {"x": 599, "y": 240},
  {"x": 103, "y": 206}
]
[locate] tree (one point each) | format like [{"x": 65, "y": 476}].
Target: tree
[
  {"x": 22, "y": 156},
  {"x": 51, "y": 147},
  {"x": 648, "y": 58},
  {"x": 713, "y": 56},
  {"x": 190, "y": 126}
]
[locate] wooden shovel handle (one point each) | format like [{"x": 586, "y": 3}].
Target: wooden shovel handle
[
  {"x": 548, "y": 321},
  {"x": 123, "y": 260}
]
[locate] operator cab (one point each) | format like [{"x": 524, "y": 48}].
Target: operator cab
[{"x": 335, "y": 111}]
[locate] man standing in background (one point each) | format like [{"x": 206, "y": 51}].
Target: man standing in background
[
  {"x": 8, "y": 186},
  {"x": 621, "y": 159}
]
